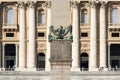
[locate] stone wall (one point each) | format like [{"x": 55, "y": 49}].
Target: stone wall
[{"x": 46, "y": 76}]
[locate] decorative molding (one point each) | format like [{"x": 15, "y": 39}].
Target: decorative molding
[
  {"x": 93, "y": 3},
  {"x": 21, "y": 4},
  {"x": 114, "y": 30},
  {"x": 74, "y": 4},
  {"x": 103, "y": 4},
  {"x": 31, "y": 4},
  {"x": 47, "y": 4}
]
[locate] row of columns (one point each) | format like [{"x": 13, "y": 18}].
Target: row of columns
[
  {"x": 31, "y": 23},
  {"x": 31, "y": 62},
  {"x": 75, "y": 44},
  {"x": 93, "y": 37}
]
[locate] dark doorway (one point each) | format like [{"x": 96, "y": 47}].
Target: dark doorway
[
  {"x": 84, "y": 61},
  {"x": 10, "y": 53},
  {"x": 41, "y": 61},
  {"x": 115, "y": 55}
]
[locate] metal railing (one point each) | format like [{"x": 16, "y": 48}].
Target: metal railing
[
  {"x": 16, "y": 69},
  {"x": 81, "y": 69},
  {"x": 40, "y": 69}
]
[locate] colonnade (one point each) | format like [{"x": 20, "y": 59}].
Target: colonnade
[
  {"x": 75, "y": 44},
  {"x": 93, "y": 61}
]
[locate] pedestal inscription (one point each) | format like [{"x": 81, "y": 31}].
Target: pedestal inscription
[{"x": 60, "y": 59}]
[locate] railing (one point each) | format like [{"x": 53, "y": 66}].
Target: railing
[
  {"x": 11, "y": 26},
  {"x": 83, "y": 24},
  {"x": 6, "y": 24},
  {"x": 81, "y": 69},
  {"x": 16, "y": 69},
  {"x": 102, "y": 69},
  {"x": 40, "y": 69},
  {"x": 113, "y": 24},
  {"x": 40, "y": 24}
]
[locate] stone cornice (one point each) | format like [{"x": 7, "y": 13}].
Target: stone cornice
[{"x": 114, "y": 30}]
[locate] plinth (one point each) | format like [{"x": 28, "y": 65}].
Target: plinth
[{"x": 60, "y": 59}]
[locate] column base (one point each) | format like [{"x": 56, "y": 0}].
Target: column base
[
  {"x": 2, "y": 69},
  {"x": 31, "y": 69},
  {"x": 103, "y": 69},
  {"x": 75, "y": 69},
  {"x": 20, "y": 69},
  {"x": 47, "y": 69},
  {"x": 93, "y": 69}
]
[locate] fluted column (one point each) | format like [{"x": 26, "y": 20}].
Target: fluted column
[
  {"x": 47, "y": 66},
  {"x": 103, "y": 54},
  {"x": 22, "y": 36},
  {"x": 32, "y": 51},
  {"x": 93, "y": 38},
  {"x": 75, "y": 43}
]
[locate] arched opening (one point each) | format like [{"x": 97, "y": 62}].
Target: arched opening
[
  {"x": 10, "y": 56},
  {"x": 41, "y": 16},
  {"x": 115, "y": 16},
  {"x": 10, "y": 16},
  {"x": 41, "y": 61},
  {"x": 84, "y": 16},
  {"x": 115, "y": 55},
  {"x": 84, "y": 61}
]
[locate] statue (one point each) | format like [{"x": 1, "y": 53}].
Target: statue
[{"x": 60, "y": 33}]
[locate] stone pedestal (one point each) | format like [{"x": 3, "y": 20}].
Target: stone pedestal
[{"x": 60, "y": 59}]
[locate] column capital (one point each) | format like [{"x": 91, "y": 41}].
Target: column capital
[
  {"x": 21, "y": 4},
  {"x": 74, "y": 4},
  {"x": 93, "y": 4},
  {"x": 103, "y": 4},
  {"x": 48, "y": 4},
  {"x": 31, "y": 4}
]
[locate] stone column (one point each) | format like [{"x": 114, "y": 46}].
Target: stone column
[
  {"x": 103, "y": 54},
  {"x": 93, "y": 39},
  {"x": 75, "y": 43},
  {"x": 22, "y": 36},
  {"x": 32, "y": 52},
  {"x": 109, "y": 55},
  {"x": 3, "y": 56},
  {"x": 47, "y": 66},
  {"x": 16, "y": 58}
]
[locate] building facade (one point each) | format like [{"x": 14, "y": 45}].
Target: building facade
[{"x": 24, "y": 29}]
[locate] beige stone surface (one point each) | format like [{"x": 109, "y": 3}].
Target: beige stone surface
[{"x": 60, "y": 12}]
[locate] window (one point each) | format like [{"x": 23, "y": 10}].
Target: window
[
  {"x": 84, "y": 16},
  {"x": 84, "y": 34},
  {"x": 10, "y": 16},
  {"x": 41, "y": 16},
  {"x": 115, "y": 16},
  {"x": 41, "y": 34},
  {"x": 9, "y": 34},
  {"x": 115, "y": 34}
]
